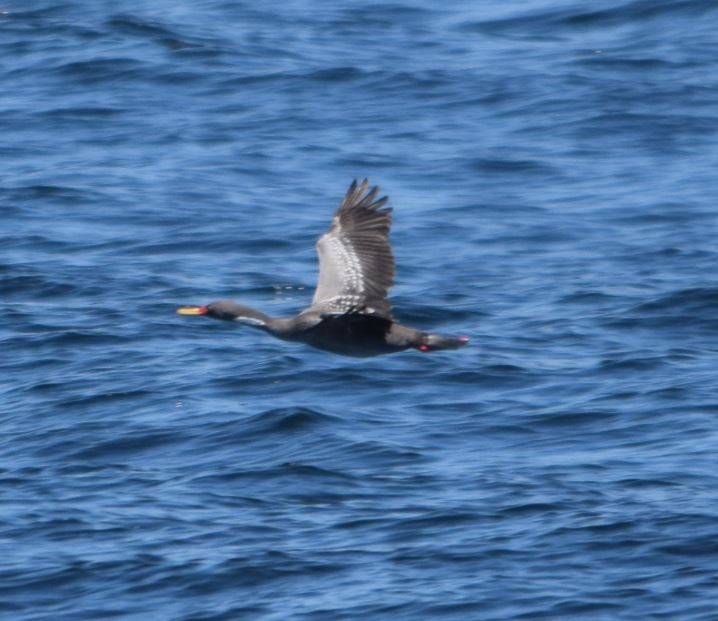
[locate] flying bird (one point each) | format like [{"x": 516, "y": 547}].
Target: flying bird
[{"x": 350, "y": 313}]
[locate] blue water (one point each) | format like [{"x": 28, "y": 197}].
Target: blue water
[{"x": 552, "y": 168}]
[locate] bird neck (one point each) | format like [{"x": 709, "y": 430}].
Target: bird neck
[
  {"x": 243, "y": 314},
  {"x": 281, "y": 327},
  {"x": 278, "y": 326}
]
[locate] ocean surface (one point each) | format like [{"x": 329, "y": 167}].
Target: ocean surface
[{"x": 553, "y": 169}]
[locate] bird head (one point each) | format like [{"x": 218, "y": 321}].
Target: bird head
[
  {"x": 223, "y": 309},
  {"x": 227, "y": 310}
]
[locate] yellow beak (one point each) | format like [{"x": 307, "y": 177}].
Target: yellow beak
[{"x": 192, "y": 310}]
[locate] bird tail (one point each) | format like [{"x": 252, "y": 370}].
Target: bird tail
[{"x": 436, "y": 342}]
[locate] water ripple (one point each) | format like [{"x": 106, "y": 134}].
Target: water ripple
[{"x": 551, "y": 167}]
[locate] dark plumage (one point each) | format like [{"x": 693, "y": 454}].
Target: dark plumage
[{"x": 350, "y": 313}]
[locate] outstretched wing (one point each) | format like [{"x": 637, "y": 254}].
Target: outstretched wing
[{"x": 356, "y": 266}]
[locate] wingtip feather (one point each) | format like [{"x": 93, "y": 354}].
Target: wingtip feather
[{"x": 359, "y": 196}]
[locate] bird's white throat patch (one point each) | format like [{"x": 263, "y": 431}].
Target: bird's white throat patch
[{"x": 251, "y": 321}]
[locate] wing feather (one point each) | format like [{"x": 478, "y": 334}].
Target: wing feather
[{"x": 356, "y": 265}]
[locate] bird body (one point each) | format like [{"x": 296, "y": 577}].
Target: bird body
[{"x": 350, "y": 312}]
